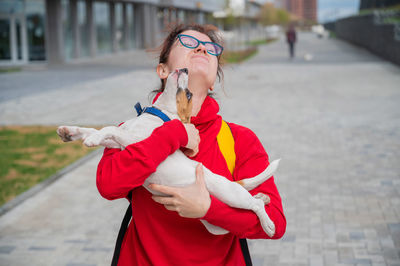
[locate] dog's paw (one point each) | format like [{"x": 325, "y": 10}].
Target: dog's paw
[
  {"x": 93, "y": 140},
  {"x": 66, "y": 133},
  {"x": 265, "y": 198}
]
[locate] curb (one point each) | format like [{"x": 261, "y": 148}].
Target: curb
[{"x": 42, "y": 185}]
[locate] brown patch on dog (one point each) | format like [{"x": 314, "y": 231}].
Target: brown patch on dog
[
  {"x": 240, "y": 182},
  {"x": 184, "y": 106}
]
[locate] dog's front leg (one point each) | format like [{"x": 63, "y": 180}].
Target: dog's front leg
[
  {"x": 71, "y": 133},
  {"x": 101, "y": 137},
  {"x": 110, "y": 143},
  {"x": 110, "y": 137},
  {"x": 125, "y": 138}
]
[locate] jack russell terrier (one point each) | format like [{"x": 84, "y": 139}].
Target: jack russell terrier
[{"x": 178, "y": 170}]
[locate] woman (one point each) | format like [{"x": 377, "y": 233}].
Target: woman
[
  {"x": 291, "y": 39},
  {"x": 167, "y": 230}
]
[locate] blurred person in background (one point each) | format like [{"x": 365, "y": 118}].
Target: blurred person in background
[{"x": 291, "y": 38}]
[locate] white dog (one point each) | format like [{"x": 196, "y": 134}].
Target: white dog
[{"x": 178, "y": 170}]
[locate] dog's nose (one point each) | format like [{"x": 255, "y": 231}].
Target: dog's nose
[{"x": 184, "y": 70}]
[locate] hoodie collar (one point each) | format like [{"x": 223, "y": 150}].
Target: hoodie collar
[{"x": 208, "y": 112}]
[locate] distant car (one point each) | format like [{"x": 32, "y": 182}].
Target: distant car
[
  {"x": 272, "y": 32},
  {"x": 320, "y": 31}
]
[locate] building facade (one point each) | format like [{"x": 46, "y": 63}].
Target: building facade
[
  {"x": 301, "y": 9},
  {"x": 58, "y": 31}
]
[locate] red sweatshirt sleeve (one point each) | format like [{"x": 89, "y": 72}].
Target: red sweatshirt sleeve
[
  {"x": 119, "y": 171},
  {"x": 251, "y": 159}
]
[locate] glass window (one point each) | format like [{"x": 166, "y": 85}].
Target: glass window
[
  {"x": 67, "y": 30},
  {"x": 119, "y": 27},
  {"x": 161, "y": 18},
  {"x": 11, "y": 6},
  {"x": 5, "y": 36},
  {"x": 172, "y": 15},
  {"x": 35, "y": 22},
  {"x": 131, "y": 26},
  {"x": 103, "y": 29},
  {"x": 18, "y": 33},
  {"x": 83, "y": 29},
  {"x": 181, "y": 16}
]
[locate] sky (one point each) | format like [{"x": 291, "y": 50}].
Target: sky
[{"x": 329, "y": 10}]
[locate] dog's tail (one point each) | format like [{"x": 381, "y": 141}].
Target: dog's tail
[{"x": 253, "y": 182}]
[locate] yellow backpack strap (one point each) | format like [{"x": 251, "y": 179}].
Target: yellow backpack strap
[{"x": 226, "y": 145}]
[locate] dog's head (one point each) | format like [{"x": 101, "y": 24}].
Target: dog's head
[{"x": 177, "y": 85}]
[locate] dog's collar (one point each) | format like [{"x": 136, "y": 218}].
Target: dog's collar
[{"x": 151, "y": 110}]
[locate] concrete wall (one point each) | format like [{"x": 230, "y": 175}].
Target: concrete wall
[{"x": 377, "y": 38}]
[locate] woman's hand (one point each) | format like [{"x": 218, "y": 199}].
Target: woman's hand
[
  {"x": 191, "y": 202},
  {"x": 193, "y": 140}
]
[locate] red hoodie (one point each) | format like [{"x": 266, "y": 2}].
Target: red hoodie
[{"x": 157, "y": 236}]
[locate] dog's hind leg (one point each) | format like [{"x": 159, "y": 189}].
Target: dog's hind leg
[
  {"x": 213, "y": 229},
  {"x": 265, "y": 198},
  {"x": 236, "y": 196},
  {"x": 253, "y": 182}
]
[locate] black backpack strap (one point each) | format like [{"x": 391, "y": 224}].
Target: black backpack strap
[
  {"x": 122, "y": 231},
  {"x": 245, "y": 251}
]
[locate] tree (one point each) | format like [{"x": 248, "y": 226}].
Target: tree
[
  {"x": 283, "y": 17},
  {"x": 269, "y": 15}
]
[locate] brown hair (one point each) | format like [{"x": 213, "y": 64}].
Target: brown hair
[{"x": 209, "y": 30}]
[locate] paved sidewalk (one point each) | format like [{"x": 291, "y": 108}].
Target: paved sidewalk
[{"x": 333, "y": 120}]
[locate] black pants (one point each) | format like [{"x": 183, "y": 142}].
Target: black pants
[{"x": 291, "y": 49}]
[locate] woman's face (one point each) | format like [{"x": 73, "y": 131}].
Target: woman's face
[{"x": 199, "y": 63}]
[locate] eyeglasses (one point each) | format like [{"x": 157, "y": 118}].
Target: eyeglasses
[{"x": 192, "y": 43}]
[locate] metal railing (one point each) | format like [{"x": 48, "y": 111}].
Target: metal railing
[
  {"x": 397, "y": 32},
  {"x": 389, "y": 17},
  {"x": 386, "y": 16}
]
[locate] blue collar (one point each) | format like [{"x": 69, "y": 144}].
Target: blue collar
[{"x": 151, "y": 110}]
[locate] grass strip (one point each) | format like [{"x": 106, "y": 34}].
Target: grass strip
[
  {"x": 9, "y": 69},
  {"x": 261, "y": 42},
  {"x": 233, "y": 57},
  {"x": 31, "y": 154}
]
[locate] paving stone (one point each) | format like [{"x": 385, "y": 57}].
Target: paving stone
[
  {"x": 6, "y": 249},
  {"x": 80, "y": 264},
  {"x": 36, "y": 248}
]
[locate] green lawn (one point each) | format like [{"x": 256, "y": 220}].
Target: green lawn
[
  {"x": 233, "y": 57},
  {"x": 9, "y": 69},
  {"x": 29, "y": 155},
  {"x": 261, "y": 42}
]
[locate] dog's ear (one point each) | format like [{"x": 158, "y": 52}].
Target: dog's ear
[{"x": 162, "y": 71}]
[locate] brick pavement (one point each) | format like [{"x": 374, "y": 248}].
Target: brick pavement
[{"x": 334, "y": 121}]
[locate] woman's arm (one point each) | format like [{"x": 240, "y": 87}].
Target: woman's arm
[
  {"x": 119, "y": 171},
  {"x": 251, "y": 159}
]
